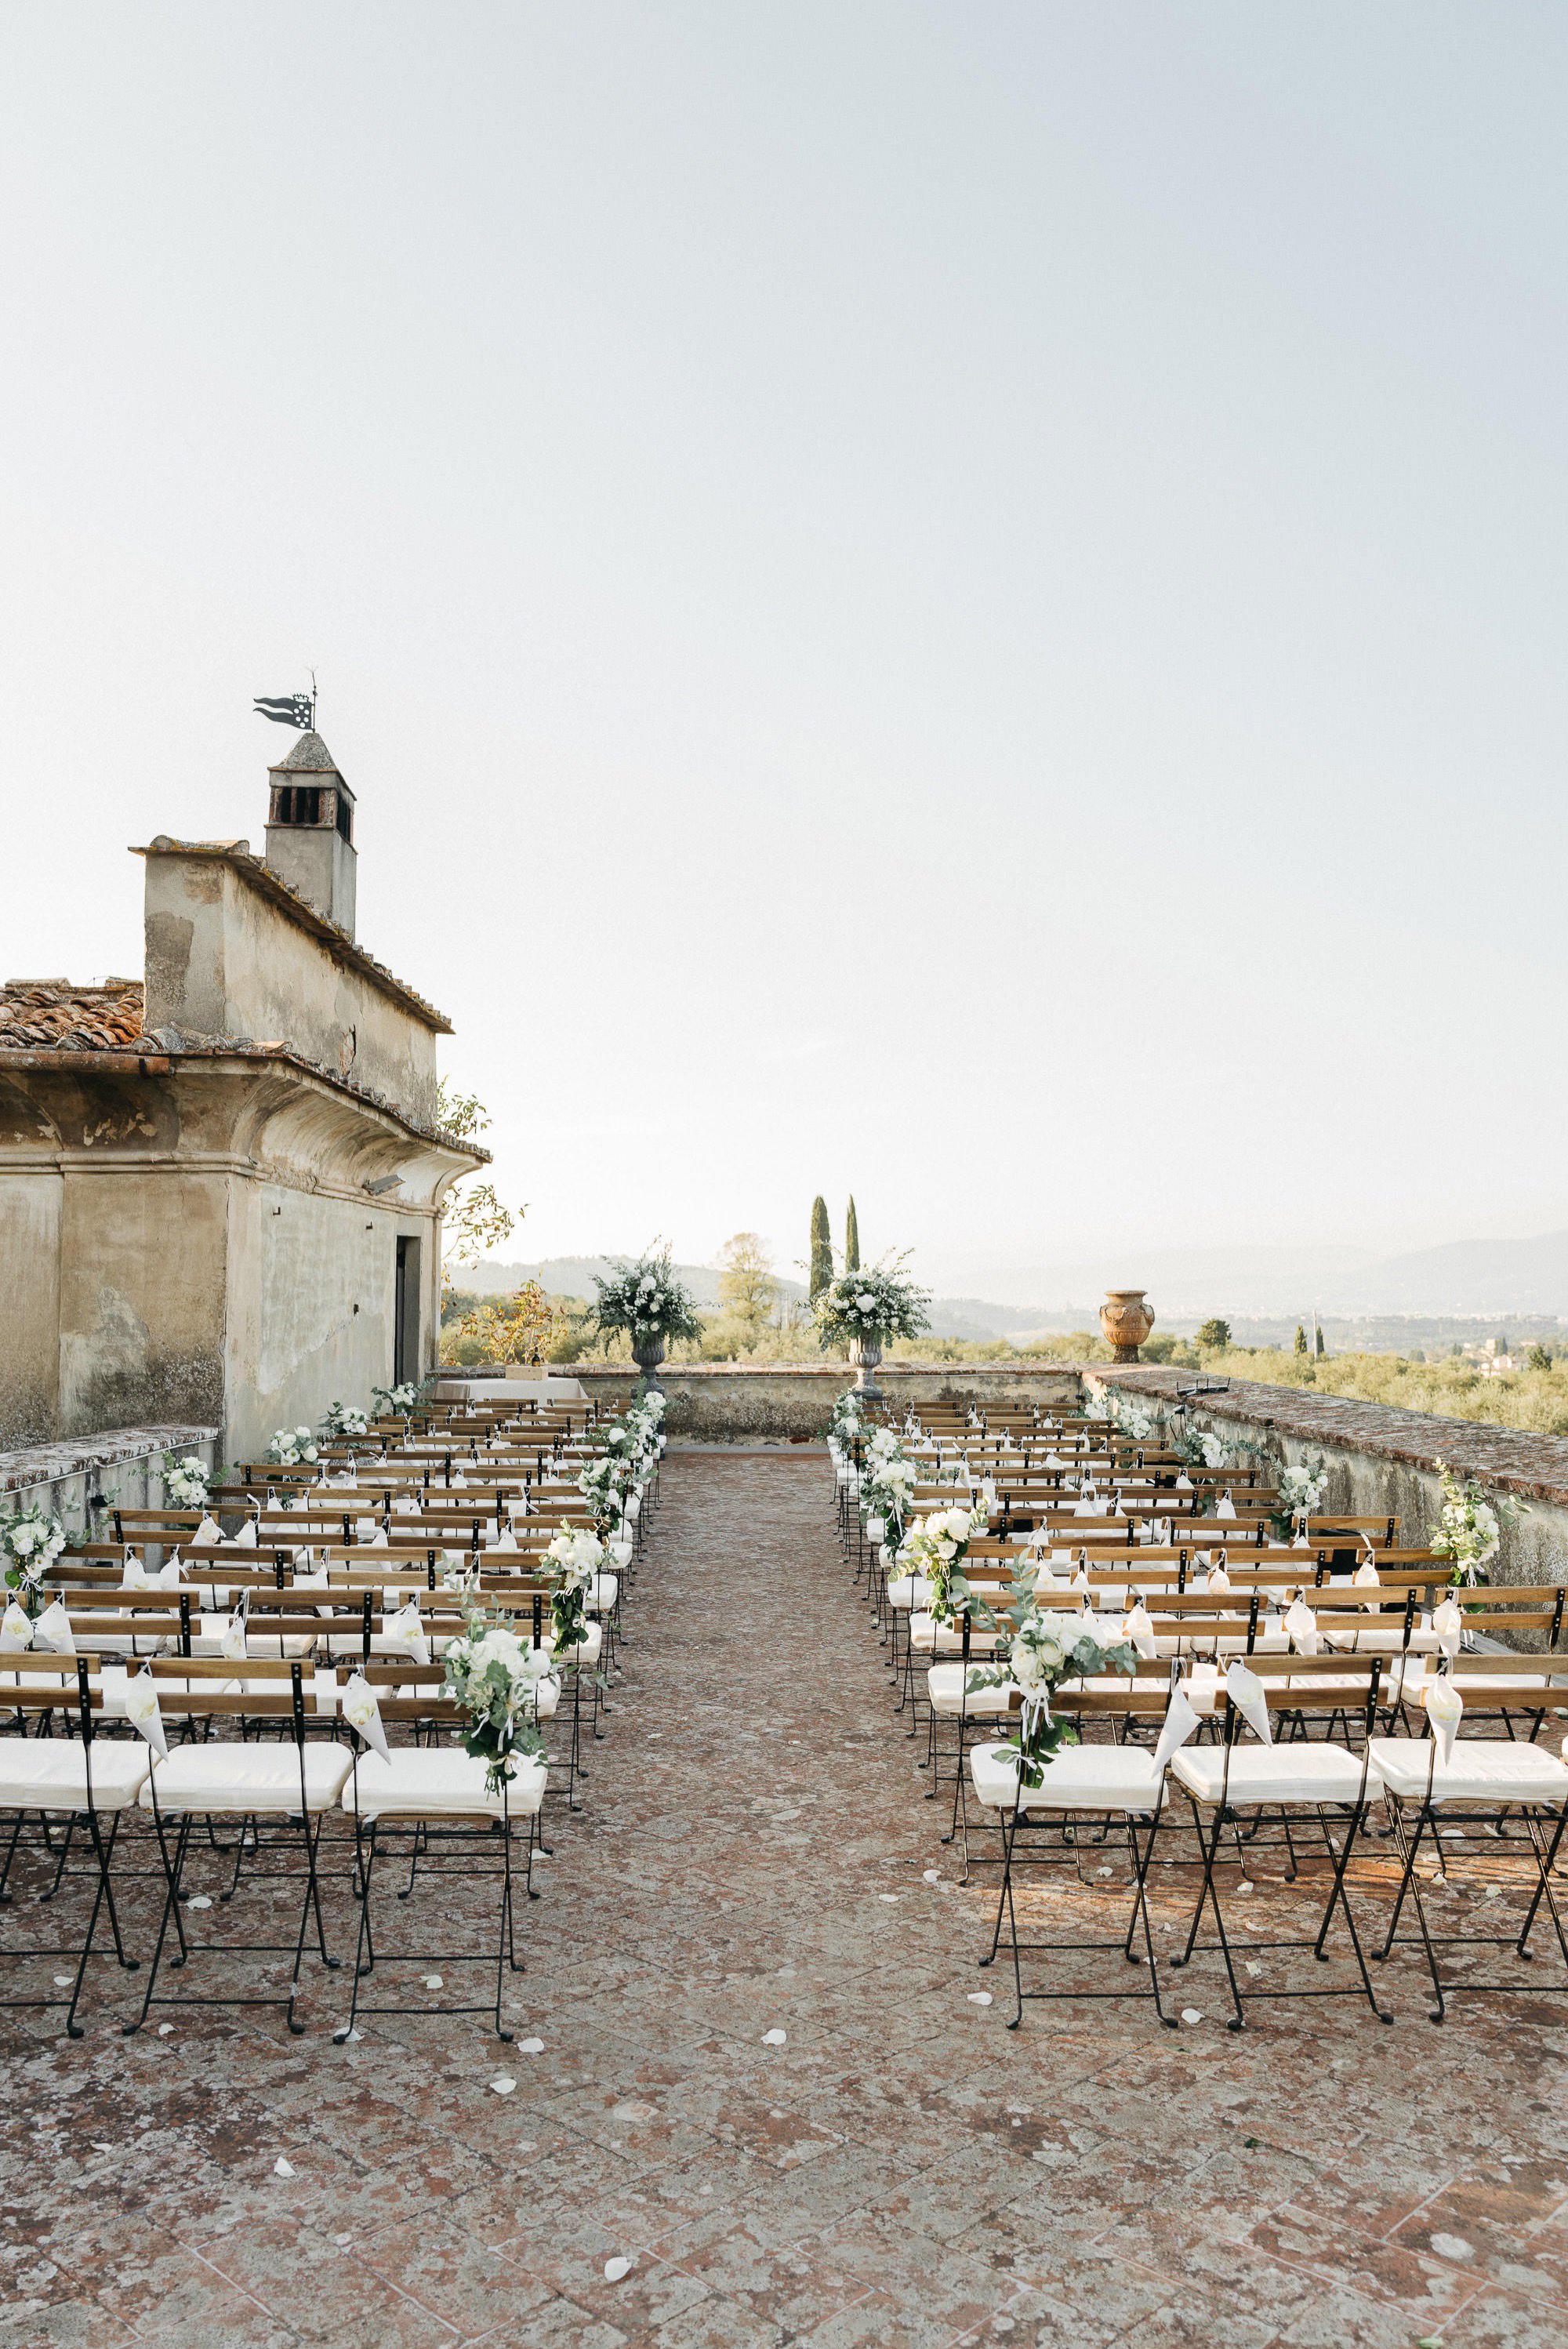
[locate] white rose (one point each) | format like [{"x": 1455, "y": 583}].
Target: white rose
[{"x": 866, "y": 1302}]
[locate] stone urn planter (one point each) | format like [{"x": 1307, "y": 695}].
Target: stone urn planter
[
  {"x": 647, "y": 1357},
  {"x": 866, "y": 1353},
  {"x": 1126, "y": 1321}
]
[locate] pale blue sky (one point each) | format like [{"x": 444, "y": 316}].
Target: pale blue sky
[{"x": 975, "y": 593}]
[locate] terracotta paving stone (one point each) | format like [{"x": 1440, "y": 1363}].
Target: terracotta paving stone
[{"x": 904, "y": 2173}]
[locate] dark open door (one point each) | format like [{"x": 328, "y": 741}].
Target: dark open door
[{"x": 405, "y": 1319}]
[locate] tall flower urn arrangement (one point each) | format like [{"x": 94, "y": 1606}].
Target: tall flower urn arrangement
[
  {"x": 862, "y": 1309},
  {"x": 652, "y": 1307}
]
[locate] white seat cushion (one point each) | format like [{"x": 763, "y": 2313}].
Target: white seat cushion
[
  {"x": 1080, "y": 1778},
  {"x": 909, "y": 1590},
  {"x": 426, "y": 1781},
  {"x": 946, "y": 1641},
  {"x": 944, "y": 1686},
  {"x": 602, "y": 1593},
  {"x": 588, "y": 1648},
  {"x": 1297, "y": 1773},
  {"x": 1482, "y": 1770},
  {"x": 50, "y": 1774},
  {"x": 235, "y": 1779}
]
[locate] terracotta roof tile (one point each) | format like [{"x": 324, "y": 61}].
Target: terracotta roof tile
[{"x": 50, "y": 1015}]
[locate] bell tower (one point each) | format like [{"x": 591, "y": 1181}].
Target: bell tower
[{"x": 310, "y": 830}]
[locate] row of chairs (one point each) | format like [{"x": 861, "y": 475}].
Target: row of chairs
[
  {"x": 162, "y": 1742},
  {"x": 1300, "y": 1704}
]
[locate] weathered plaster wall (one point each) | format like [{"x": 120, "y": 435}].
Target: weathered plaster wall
[
  {"x": 223, "y": 959},
  {"x": 31, "y": 1206},
  {"x": 214, "y": 1255}
]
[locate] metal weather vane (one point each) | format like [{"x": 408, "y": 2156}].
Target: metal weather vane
[{"x": 289, "y": 708}]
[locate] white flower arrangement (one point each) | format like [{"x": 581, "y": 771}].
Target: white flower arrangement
[
  {"x": 887, "y": 1484},
  {"x": 30, "y": 1541},
  {"x": 879, "y": 1302},
  {"x": 605, "y": 1484},
  {"x": 646, "y": 1300},
  {"x": 936, "y": 1548},
  {"x": 293, "y": 1447},
  {"x": 1043, "y": 1650},
  {"x": 494, "y": 1676},
  {"x": 341, "y": 1421},
  {"x": 396, "y": 1402},
  {"x": 1132, "y": 1419},
  {"x": 1301, "y": 1490},
  {"x": 1470, "y": 1527},
  {"x": 573, "y": 1560},
  {"x": 185, "y": 1481}
]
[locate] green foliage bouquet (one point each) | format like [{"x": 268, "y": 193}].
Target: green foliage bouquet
[
  {"x": 935, "y": 1550},
  {"x": 1042, "y": 1650},
  {"x": 571, "y": 1561},
  {"x": 879, "y": 1301},
  {"x": 1470, "y": 1527},
  {"x": 29, "y": 1544},
  {"x": 494, "y": 1676},
  {"x": 646, "y": 1301}
]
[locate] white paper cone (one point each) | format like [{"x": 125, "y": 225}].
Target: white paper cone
[
  {"x": 140, "y": 1705},
  {"x": 1445, "y": 1709},
  {"x": 54, "y": 1628},
  {"x": 1245, "y": 1691},
  {"x": 1181, "y": 1721},
  {"x": 363, "y": 1713},
  {"x": 1302, "y": 1624}
]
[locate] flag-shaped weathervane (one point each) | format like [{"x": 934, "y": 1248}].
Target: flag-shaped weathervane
[{"x": 288, "y": 709}]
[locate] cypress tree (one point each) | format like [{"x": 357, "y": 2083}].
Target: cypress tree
[
  {"x": 1300, "y": 1338},
  {"x": 821, "y": 1248},
  {"x": 852, "y": 1239}
]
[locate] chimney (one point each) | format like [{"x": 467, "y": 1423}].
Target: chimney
[{"x": 310, "y": 830}]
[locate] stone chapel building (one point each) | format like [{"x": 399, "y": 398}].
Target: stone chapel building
[{"x": 221, "y": 1185}]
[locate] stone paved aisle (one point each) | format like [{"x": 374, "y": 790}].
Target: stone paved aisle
[{"x": 902, "y": 2171}]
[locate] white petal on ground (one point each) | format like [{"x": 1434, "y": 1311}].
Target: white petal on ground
[
  {"x": 889, "y": 1896},
  {"x": 616, "y": 2269},
  {"x": 933, "y": 1875},
  {"x": 282, "y": 2168},
  {"x": 503, "y": 2084},
  {"x": 165, "y": 2030},
  {"x": 1192, "y": 2014},
  {"x": 199, "y": 1900},
  {"x": 63, "y": 1981},
  {"x": 531, "y": 2046},
  {"x": 979, "y": 1998},
  {"x": 432, "y": 1981},
  {"x": 774, "y": 2038}
]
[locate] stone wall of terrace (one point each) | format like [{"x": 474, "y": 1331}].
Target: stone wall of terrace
[
  {"x": 737, "y": 1403},
  {"x": 1382, "y": 1461},
  {"x": 81, "y": 1479}
]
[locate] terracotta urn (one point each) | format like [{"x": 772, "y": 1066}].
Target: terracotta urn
[{"x": 1125, "y": 1321}]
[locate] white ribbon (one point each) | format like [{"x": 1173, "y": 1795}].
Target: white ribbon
[
  {"x": 140, "y": 1707},
  {"x": 363, "y": 1713},
  {"x": 1245, "y": 1691},
  {"x": 1445, "y": 1706}
]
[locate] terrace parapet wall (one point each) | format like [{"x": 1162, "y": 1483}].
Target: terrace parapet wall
[
  {"x": 1382, "y": 1461},
  {"x": 81, "y": 1479},
  {"x": 737, "y": 1403}
]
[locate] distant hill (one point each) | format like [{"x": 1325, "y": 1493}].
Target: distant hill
[{"x": 1264, "y": 1287}]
